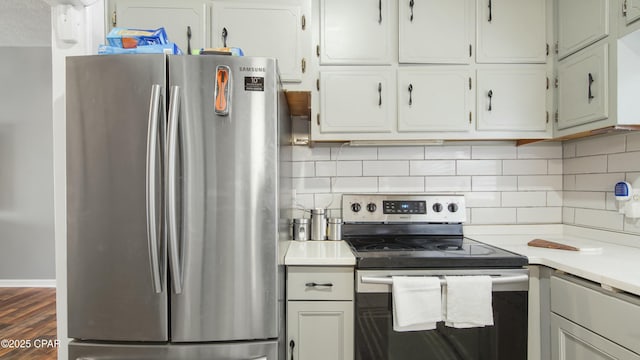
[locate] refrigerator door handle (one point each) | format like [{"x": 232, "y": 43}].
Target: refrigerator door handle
[
  {"x": 151, "y": 168},
  {"x": 172, "y": 202}
]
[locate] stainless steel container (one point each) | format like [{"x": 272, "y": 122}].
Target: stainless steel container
[
  {"x": 301, "y": 229},
  {"x": 334, "y": 229},
  {"x": 318, "y": 224}
]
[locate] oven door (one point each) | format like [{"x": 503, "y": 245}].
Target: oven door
[{"x": 376, "y": 339}]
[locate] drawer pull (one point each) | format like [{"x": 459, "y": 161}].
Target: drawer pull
[{"x": 312, "y": 284}]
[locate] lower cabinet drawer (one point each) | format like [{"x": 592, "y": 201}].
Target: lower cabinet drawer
[
  {"x": 319, "y": 283},
  {"x": 613, "y": 316}
]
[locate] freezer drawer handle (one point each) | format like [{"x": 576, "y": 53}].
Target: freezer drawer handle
[
  {"x": 151, "y": 168},
  {"x": 172, "y": 201},
  {"x": 312, "y": 284}
]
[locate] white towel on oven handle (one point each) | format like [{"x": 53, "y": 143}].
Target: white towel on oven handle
[
  {"x": 467, "y": 301},
  {"x": 417, "y": 303}
]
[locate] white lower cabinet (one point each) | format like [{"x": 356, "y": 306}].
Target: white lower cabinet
[
  {"x": 589, "y": 323},
  {"x": 320, "y": 313}
]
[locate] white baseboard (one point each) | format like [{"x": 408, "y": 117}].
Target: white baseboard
[{"x": 46, "y": 283}]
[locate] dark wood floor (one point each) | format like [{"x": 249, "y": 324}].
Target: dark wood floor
[{"x": 28, "y": 323}]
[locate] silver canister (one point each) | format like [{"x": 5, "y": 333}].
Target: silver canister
[
  {"x": 334, "y": 229},
  {"x": 318, "y": 224},
  {"x": 301, "y": 229}
]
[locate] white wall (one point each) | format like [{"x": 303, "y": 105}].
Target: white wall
[
  {"x": 26, "y": 163},
  {"x": 502, "y": 183}
]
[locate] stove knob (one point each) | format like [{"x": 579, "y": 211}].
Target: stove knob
[
  {"x": 437, "y": 207},
  {"x": 355, "y": 207},
  {"x": 453, "y": 207},
  {"x": 371, "y": 207}
]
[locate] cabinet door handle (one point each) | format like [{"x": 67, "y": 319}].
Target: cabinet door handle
[
  {"x": 379, "y": 11},
  {"x": 411, "y": 3},
  {"x": 590, "y": 96},
  {"x": 225, "y": 33},
  {"x": 292, "y": 344},
  {"x": 490, "y": 95},
  {"x": 379, "y": 94},
  {"x": 313, "y": 284},
  {"x": 490, "y": 11},
  {"x": 410, "y": 94},
  {"x": 188, "y": 40}
]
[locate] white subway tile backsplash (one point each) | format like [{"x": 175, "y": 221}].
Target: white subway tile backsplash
[
  {"x": 631, "y": 226},
  {"x": 303, "y": 169},
  {"x": 355, "y": 184},
  {"x": 611, "y": 202},
  {"x": 385, "y": 168},
  {"x": 304, "y": 201},
  {"x": 349, "y": 168},
  {"x": 629, "y": 161},
  {"x": 600, "y": 145},
  {"x": 585, "y": 199},
  {"x": 344, "y": 152},
  {"x": 603, "y": 219},
  {"x": 586, "y": 165},
  {"x": 597, "y": 182},
  {"x": 328, "y": 201},
  {"x": 494, "y": 183},
  {"x": 524, "y": 199},
  {"x": 447, "y": 183},
  {"x": 448, "y": 152},
  {"x": 540, "y": 151},
  {"x": 568, "y": 215},
  {"x": 304, "y": 153},
  {"x": 493, "y": 215},
  {"x": 312, "y": 185},
  {"x": 401, "y": 153},
  {"x": 554, "y": 198},
  {"x": 432, "y": 167},
  {"x": 539, "y": 215},
  {"x": 569, "y": 182},
  {"x": 633, "y": 142},
  {"x": 325, "y": 168},
  {"x": 539, "y": 182},
  {"x": 479, "y": 199},
  {"x": 479, "y": 167},
  {"x": 401, "y": 184},
  {"x": 554, "y": 167},
  {"x": 493, "y": 152},
  {"x": 524, "y": 167},
  {"x": 568, "y": 150}
]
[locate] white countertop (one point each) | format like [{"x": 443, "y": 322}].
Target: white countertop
[
  {"x": 326, "y": 253},
  {"x": 613, "y": 265}
]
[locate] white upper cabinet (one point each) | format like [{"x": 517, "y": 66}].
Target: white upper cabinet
[
  {"x": 512, "y": 99},
  {"x": 436, "y": 31},
  {"x": 631, "y": 10},
  {"x": 511, "y": 31},
  {"x": 184, "y": 21},
  {"x": 267, "y": 29},
  {"x": 583, "y": 87},
  {"x": 581, "y": 23},
  {"x": 356, "y": 101},
  {"x": 355, "y": 32},
  {"x": 434, "y": 99}
]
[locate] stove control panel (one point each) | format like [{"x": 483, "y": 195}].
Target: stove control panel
[{"x": 386, "y": 208}]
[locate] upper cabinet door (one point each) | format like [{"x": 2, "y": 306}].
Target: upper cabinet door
[
  {"x": 581, "y": 23},
  {"x": 355, "y": 32},
  {"x": 512, "y": 99},
  {"x": 264, "y": 29},
  {"x": 432, "y": 99},
  {"x": 631, "y": 10},
  {"x": 436, "y": 31},
  {"x": 357, "y": 101},
  {"x": 184, "y": 21},
  {"x": 511, "y": 31},
  {"x": 583, "y": 87}
]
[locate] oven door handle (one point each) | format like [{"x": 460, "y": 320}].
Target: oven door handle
[{"x": 494, "y": 279}]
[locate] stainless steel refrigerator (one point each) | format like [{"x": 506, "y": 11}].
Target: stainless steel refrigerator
[{"x": 178, "y": 186}]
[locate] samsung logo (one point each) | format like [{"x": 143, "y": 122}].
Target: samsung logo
[{"x": 251, "y": 69}]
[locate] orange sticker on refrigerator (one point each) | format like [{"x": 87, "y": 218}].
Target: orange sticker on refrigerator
[{"x": 222, "y": 90}]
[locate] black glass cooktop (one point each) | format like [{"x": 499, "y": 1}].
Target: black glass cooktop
[{"x": 430, "y": 252}]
